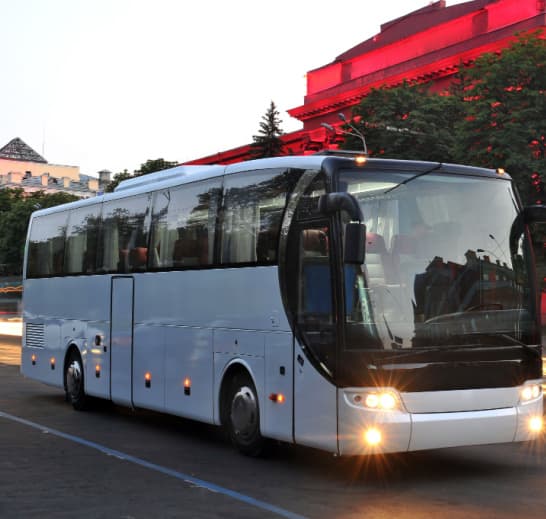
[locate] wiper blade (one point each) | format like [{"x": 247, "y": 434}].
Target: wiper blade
[
  {"x": 454, "y": 347},
  {"x": 421, "y": 351},
  {"x": 423, "y": 173},
  {"x": 513, "y": 340}
]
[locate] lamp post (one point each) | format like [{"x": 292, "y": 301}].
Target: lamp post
[{"x": 355, "y": 133}]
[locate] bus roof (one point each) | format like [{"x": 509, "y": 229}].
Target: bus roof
[{"x": 186, "y": 174}]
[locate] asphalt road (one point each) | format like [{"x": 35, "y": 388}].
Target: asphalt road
[{"x": 112, "y": 462}]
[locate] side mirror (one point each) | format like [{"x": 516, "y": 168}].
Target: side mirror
[
  {"x": 355, "y": 243},
  {"x": 333, "y": 202}
]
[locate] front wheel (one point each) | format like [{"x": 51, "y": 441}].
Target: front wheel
[
  {"x": 243, "y": 416},
  {"x": 74, "y": 382}
]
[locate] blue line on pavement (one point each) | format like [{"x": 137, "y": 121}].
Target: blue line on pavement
[{"x": 158, "y": 468}]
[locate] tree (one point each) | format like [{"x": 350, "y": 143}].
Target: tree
[
  {"x": 150, "y": 166},
  {"x": 405, "y": 122},
  {"x": 268, "y": 142},
  {"x": 15, "y": 211},
  {"x": 493, "y": 116},
  {"x": 117, "y": 178},
  {"x": 505, "y": 108}
]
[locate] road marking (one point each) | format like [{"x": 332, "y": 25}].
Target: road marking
[{"x": 186, "y": 478}]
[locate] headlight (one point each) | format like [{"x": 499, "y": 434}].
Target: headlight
[
  {"x": 530, "y": 392},
  {"x": 381, "y": 400}
]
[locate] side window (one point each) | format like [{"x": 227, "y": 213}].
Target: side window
[
  {"x": 46, "y": 245},
  {"x": 124, "y": 238},
  {"x": 82, "y": 240},
  {"x": 254, "y": 203},
  {"x": 184, "y": 225}
]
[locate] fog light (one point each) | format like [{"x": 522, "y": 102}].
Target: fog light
[
  {"x": 535, "y": 424},
  {"x": 372, "y": 436}
]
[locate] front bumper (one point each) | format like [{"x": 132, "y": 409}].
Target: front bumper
[{"x": 401, "y": 430}]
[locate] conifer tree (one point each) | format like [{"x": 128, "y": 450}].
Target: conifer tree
[{"x": 268, "y": 142}]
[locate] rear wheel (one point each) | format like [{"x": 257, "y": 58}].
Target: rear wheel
[
  {"x": 242, "y": 416},
  {"x": 74, "y": 382}
]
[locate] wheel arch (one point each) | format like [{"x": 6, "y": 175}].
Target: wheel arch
[{"x": 234, "y": 367}]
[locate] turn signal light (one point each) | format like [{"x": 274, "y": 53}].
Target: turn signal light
[{"x": 278, "y": 398}]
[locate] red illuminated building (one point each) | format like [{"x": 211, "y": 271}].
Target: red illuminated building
[{"x": 426, "y": 45}]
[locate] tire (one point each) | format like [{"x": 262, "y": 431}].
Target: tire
[
  {"x": 74, "y": 382},
  {"x": 242, "y": 416}
]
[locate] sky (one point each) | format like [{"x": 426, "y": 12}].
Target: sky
[{"x": 109, "y": 84}]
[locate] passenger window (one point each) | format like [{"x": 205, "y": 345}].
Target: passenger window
[
  {"x": 81, "y": 240},
  {"x": 254, "y": 203},
  {"x": 46, "y": 247},
  {"x": 124, "y": 241},
  {"x": 184, "y": 225}
]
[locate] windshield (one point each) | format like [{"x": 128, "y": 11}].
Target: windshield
[{"x": 438, "y": 268}]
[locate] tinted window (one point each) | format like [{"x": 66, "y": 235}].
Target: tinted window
[
  {"x": 183, "y": 225},
  {"x": 46, "y": 247},
  {"x": 81, "y": 240},
  {"x": 253, "y": 208},
  {"x": 124, "y": 237}
]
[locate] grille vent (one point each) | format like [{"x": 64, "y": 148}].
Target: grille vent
[{"x": 34, "y": 336}]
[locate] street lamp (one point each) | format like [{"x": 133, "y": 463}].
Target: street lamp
[{"x": 355, "y": 133}]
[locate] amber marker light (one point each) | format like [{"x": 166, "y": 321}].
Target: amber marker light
[
  {"x": 187, "y": 386},
  {"x": 97, "y": 371},
  {"x": 277, "y": 398},
  {"x": 500, "y": 171},
  {"x": 361, "y": 160},
  {"x": 52, "y": 362},
  {"x": 372, "y": 436},
  {"x": 535, "y": 424},
  {"x": 147, "y": 379},
  {"x": 33, "y": 359}
]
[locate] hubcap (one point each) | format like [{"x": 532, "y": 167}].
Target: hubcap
[
  {"x": 244, "y": 412},
  {"x": 74, "y": 378}
]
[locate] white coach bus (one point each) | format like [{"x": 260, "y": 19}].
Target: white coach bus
[{"x": 350, "y": 305}]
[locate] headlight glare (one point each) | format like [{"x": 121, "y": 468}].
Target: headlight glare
[
  {"x": 530, "y": 392},
  {"x": 380, "y": 400}
]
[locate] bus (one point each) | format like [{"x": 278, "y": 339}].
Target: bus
[{"x": 344, "y": 303}]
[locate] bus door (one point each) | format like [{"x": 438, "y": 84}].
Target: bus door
[
  {"x": 315, "y": 398},
  {"x": 121, "y": 351}
]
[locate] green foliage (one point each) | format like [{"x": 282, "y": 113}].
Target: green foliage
[
  {"x": 268, "y": 142},
  {"x": 150, "y": 166},
  {"x": 494, "y": 116},
  {"x": 505, "y": 112},
  {"x": 118, "y": 177},
  {"x": 15, "y": 211},
  {"x": 405, "y": 122}
]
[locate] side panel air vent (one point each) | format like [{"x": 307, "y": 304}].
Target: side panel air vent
[{"x": 34, "y": 336}]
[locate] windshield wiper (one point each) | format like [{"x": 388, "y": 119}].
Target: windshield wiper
[
  {"x": 452, "y": 347},
  {"x": 423, "y": 173},
  {"x": 421, "y": 351},
  {"x": 513, "y": 340}
]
